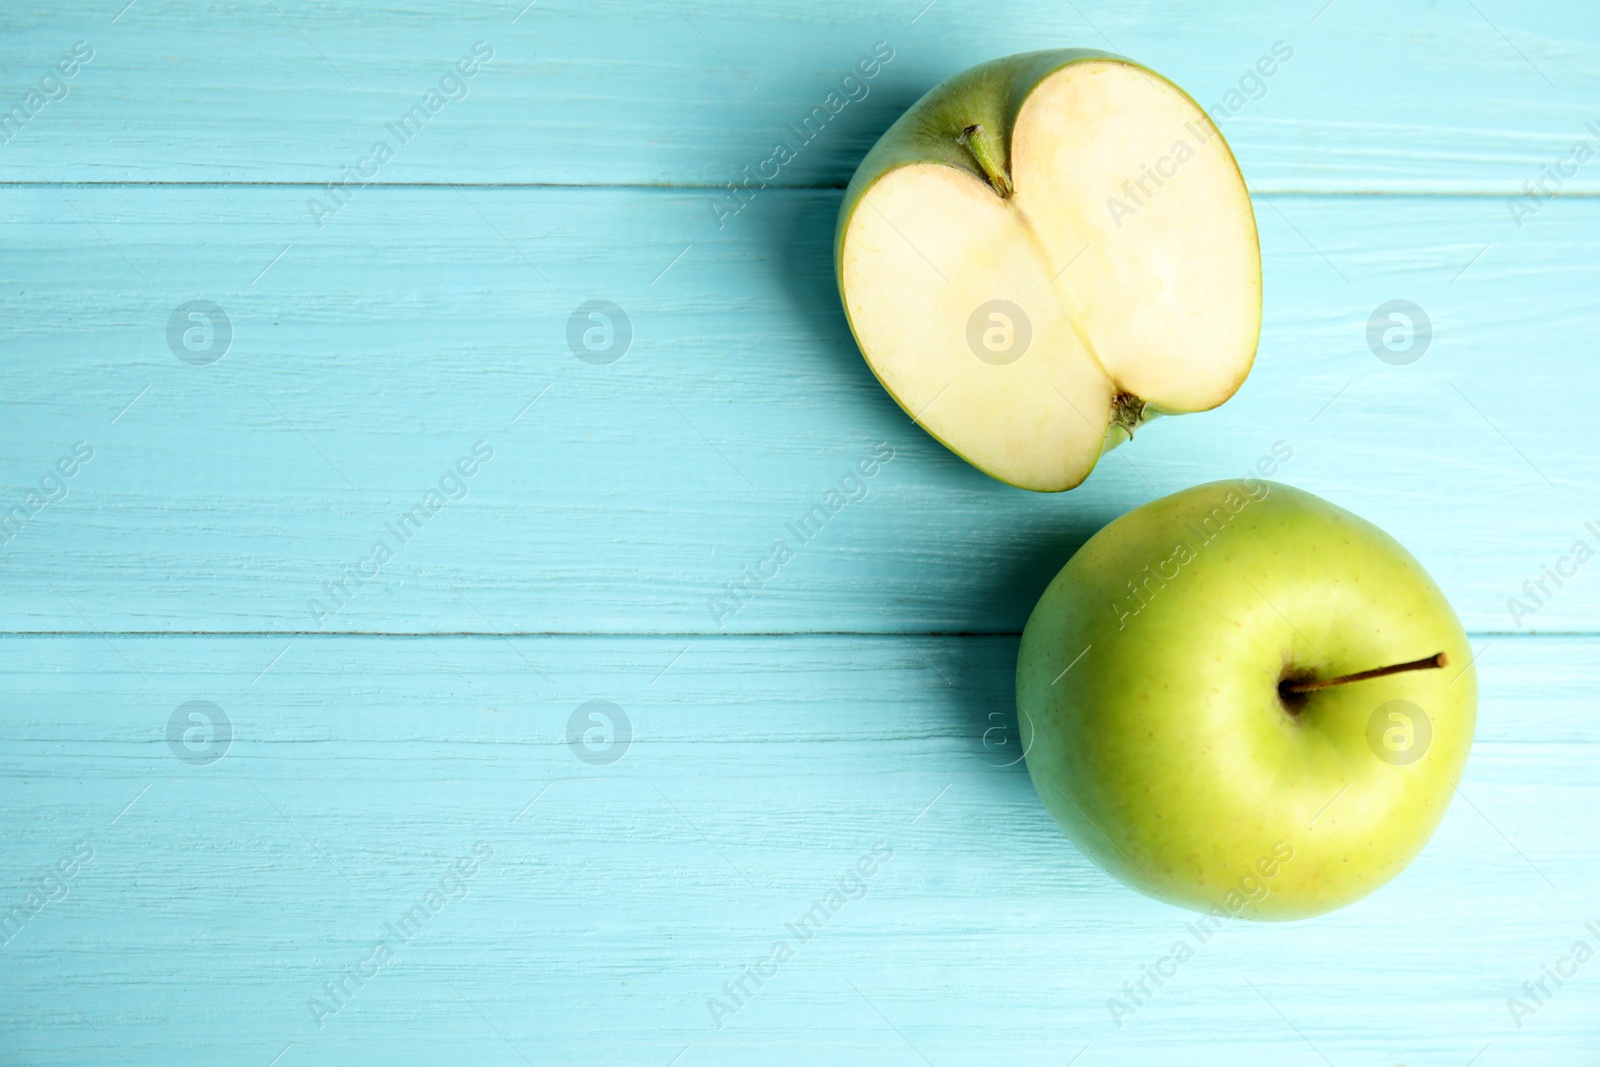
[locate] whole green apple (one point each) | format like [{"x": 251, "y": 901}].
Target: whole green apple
[
  {"x": 1045, "y": 252},
  {"x": 1231, "y": 699}
]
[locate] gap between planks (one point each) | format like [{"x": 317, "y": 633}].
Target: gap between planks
[{"x": 1257, "y": 190}]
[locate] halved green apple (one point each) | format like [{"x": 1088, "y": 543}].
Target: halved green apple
[{"x": 1045, "y": 252}]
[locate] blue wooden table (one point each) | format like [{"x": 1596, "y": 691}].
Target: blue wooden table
[{"x": 382, "y": 678}]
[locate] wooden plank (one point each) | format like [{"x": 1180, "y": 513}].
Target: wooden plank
[
  {"x": 386, "y": 343},
  {"x": 619, "y": 898},
  {"x": 367, "y": 361},
  {"x": 1376, "y": 96}
]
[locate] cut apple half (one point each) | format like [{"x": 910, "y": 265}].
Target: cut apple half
[{"x": 1046, "y": 252}]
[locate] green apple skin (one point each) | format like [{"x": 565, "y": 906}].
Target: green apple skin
[
  {"x": 991, "y": 95},
  {"x": 1166, "y": 752}
]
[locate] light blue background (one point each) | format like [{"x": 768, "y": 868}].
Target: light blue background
[{"x": 847, "y": 704}]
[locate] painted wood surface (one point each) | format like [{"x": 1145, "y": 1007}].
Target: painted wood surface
[
  {"x": 1377, "y": 96},
  {"x": 390, "y": 336},
  {"x": 619, "y": 898},
  {"x": 370, "y": 357}
]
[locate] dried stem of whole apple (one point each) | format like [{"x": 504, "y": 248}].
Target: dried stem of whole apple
[{"x": 1438, "y": 659}]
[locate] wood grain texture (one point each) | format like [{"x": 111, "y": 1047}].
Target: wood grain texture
[
  {"x": 381, "y": 331},
  {"x": 619, "y": 898},
  {"x": 1378, "y": 96},
  {"x": 371, "y": 355}
]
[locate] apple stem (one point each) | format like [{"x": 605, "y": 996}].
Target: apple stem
[
  {"x": 984, "y": 151},
  {"x": 1438, "y": 659},
  {"x": 1127, "y": 411}
]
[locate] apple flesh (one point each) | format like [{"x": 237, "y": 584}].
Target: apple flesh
[
  {"x": 1156, "y": 702},
  {"x": 1045, "y": 252}
]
